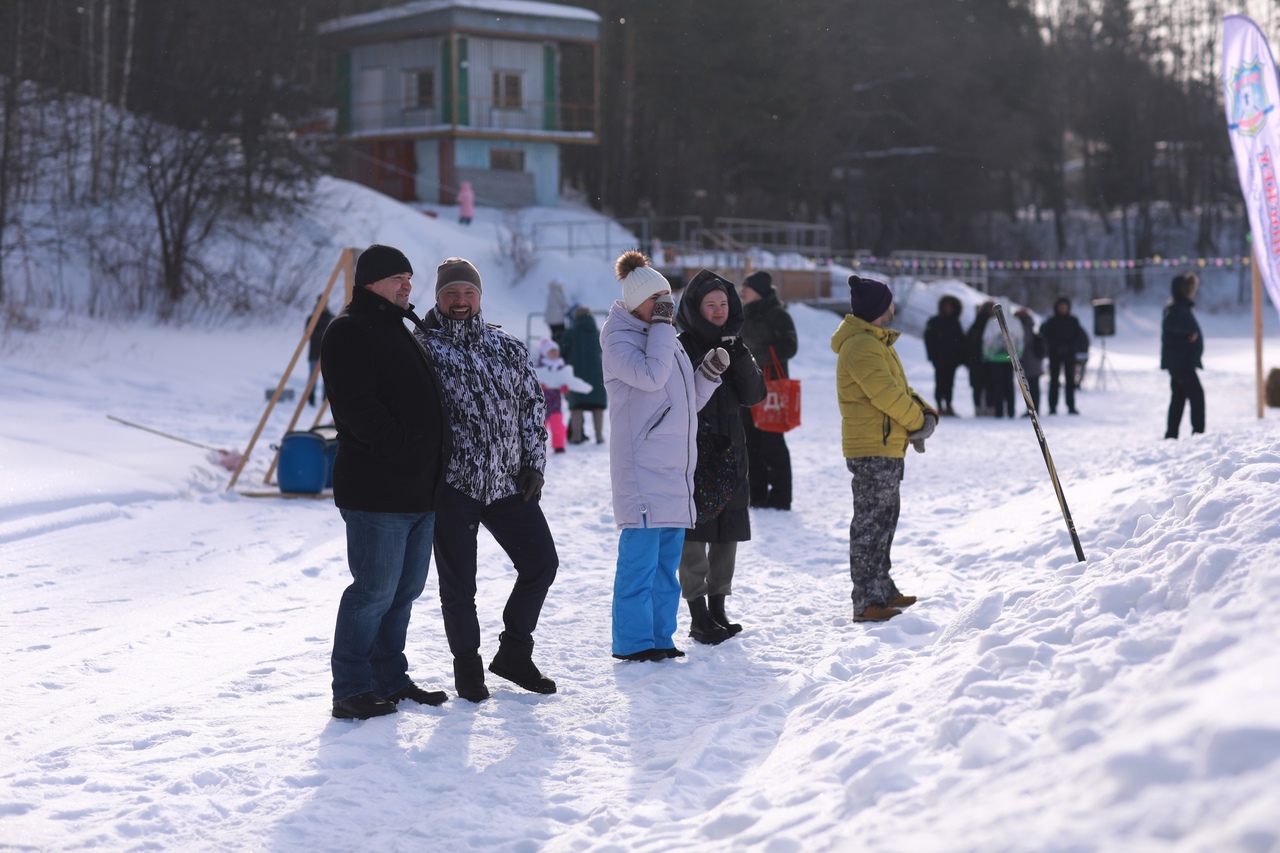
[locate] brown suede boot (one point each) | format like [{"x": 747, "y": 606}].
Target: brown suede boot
[{"x": 876, "y": 613}]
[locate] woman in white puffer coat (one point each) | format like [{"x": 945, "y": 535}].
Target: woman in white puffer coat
[{"x": 655, "y": 393}]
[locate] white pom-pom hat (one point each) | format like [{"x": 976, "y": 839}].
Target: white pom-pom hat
[{"x": 640, "y": 284}]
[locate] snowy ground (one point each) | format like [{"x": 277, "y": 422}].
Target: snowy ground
[{"x": 166, "y": 642}]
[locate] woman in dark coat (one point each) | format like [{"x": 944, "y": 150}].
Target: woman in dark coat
[
  {"x": 711, "y": 315},
  {"x": 944, "y": 346},
  {"x": 1181, "y": 347},
  {"x": 580, "y": 349}
]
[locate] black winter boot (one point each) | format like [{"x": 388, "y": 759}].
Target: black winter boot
[
  {"x": 715, "y": 604},
  {"x": 468, "y": 678},
  {"x": 514, "y": 662},
  {"x": 702, "y": 627}
]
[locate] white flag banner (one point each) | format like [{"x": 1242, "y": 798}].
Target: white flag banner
[{"x": 1251, "y": 96}]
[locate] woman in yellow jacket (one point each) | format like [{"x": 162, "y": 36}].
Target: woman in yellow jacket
[{"x": 881, "y": 414}]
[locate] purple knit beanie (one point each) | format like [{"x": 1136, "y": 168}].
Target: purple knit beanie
[{"x": 868, "y": 298}]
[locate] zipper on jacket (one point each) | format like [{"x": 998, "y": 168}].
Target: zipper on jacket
[
  {"x": 661, "y": 417},
  {"x": 888, "y": 427}
]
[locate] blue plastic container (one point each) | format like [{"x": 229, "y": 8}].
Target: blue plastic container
[{"x": 303, "y": 463}]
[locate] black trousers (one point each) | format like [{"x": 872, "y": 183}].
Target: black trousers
[
  {"x": 1000, "y": 389},
  {"x": 1059, "y": 364},
  {"x": 1185, "y": 387},
  {"x": 768, "y": 467},
  {"x": 520, "y": 529},
  {"x": 944, "y": 380}
]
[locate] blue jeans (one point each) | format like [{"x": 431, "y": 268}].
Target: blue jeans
[
  {"x": 520, "y": 529},
  {"x": 389, "y": 554},
  {"x": 646, "y": 592}
]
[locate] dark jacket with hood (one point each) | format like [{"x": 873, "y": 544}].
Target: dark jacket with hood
[
  {"x": 1063, "y": 335},
  {"x": 944, "y": 339},
  {"x": 1178, "y": 352},
  {"x": 767, "y": 324},
  {"x": 388, "y": 407},
  {"x": 742, "y": 385}
]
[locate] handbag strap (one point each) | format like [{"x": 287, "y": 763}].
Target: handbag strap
[{"x": 777, "y": 365}]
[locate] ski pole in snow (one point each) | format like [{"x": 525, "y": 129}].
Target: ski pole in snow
[
  {"x": 1035, "y": 421},
  {"x": 226, "y": 458}
]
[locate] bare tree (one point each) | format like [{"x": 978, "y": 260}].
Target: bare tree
[{"x": 189, "y": 180}]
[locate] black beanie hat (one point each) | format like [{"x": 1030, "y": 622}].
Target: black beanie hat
[
  {"x": 761, "y": 282},
  {"x": 868, "y": 298},
  {"x": 457, "y": 271},
  {"x": 378, "y": 262}
]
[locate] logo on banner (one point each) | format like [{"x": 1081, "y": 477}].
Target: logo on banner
[{"x": 1249, "y": 106}]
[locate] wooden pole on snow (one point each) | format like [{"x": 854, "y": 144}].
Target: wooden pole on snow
[
  {"x": 1257, "y": 334},
  {"x": 345, "y": 263}
]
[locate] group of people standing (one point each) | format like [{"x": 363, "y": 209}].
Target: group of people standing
[
  {"x": 443, "y": 430},
  {"x": 984, "y": 351},
  {"x": 1062, "y": 339},
  {"x": 575, "y": 334}
]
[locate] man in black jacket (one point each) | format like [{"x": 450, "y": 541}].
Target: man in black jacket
[
  {"x": 769, "y": 332},
  {"x": 393, "y": 450}
]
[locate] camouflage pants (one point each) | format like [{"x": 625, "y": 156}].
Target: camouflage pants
[{"x": 876, "y": 499}]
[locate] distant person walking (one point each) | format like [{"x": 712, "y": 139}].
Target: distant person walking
[
  {"x": 880, "y": 415},
  {"x": 944, "y": 347},
  {"x": 466, "y": 203},
  {"x": 711, "y": 315},
  {"x": 654, "y": 397},
  {"x": 580, "y": 347},
  {"x": 769, "y": 332},
  {"x": 1181, "y": 348},
  {"x": 393, "y": 449},
  {"x": 1064, "y": 337},
  {"x": 497, "y": 415}
]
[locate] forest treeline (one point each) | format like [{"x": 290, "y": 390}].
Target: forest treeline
[
  {"x": 903, "y": 125},
  {"x": 906, "y": 124}
]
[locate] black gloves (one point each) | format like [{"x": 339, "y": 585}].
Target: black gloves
[{"x": 529, "y": 484}]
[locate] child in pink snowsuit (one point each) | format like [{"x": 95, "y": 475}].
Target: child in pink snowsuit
[
  {"x": 466, "y": 203},
  {"x": 556, "y": 378}
]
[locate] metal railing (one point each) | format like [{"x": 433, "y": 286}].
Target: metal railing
[
  {"x": 602, "y": 238},
  {"x": 555, "y": 119},
  {"x": 801, "y": 238}
]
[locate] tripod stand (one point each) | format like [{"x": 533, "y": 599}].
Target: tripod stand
[{"x": 1103, "y": 366}]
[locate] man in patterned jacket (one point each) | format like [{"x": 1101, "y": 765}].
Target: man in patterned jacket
[{"x": 494, "y": 478}]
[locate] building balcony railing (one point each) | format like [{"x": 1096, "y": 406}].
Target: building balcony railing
[{"x": 556, "y": 120}]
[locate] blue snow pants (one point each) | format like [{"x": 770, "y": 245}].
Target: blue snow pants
[{"x": 646, "y": 591}]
